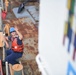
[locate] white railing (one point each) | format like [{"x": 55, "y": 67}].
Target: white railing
[{"x": 42, "y": 66}]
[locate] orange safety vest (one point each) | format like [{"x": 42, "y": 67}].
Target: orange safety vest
[{"x": 16, "y": 47}]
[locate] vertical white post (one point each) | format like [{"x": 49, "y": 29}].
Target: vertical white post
[
  {"x": 6, "y": 68},
  {"x": 3, "y": 52},
  {"x": 3, "y": 49},
  {"x": 0, "y": 18},
  {"x": 2, "y": 3}
]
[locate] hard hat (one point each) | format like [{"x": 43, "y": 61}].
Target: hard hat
[{"x": 12, "y": 29}]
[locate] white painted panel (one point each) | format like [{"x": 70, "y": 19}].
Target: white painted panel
[{"x": 51, "y": 28}]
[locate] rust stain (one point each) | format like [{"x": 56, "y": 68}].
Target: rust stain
[{"x": 25, "y": 28}]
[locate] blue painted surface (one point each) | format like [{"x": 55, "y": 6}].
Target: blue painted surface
[{"x": 70, "y": 69}]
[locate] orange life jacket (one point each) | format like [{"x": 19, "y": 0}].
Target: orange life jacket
[{"x": 16, "y": 47}]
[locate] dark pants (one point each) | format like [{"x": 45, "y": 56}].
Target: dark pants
[{"x": 12, "y": 56}]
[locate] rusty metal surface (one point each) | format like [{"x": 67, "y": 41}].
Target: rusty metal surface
[
  {"x": 25, "y": 26},
  {"x": 31, "y": 48},
  {"x": 30, "y": 67},
  {"x": 30, "y": 33}
]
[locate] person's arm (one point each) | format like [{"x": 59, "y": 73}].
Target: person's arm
[{"x": 19, "y": 34}]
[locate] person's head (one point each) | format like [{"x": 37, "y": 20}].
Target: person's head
[{"x": 12, "y": 31}]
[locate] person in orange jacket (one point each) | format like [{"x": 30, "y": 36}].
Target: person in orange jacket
[{"x": 17, "y": 46}]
